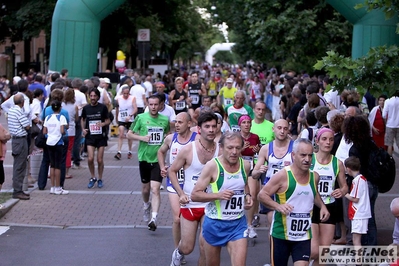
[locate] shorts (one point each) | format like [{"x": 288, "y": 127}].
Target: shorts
[
  {"x": 125, "y": 124},
  {"x": 97, "y": 143},
  {"x": 391, "y": 134},
  {"x": 359, "y": 226},
  {"x": 150, "y": 172},
  {"x": 331, "y": 209},
  {"x": 219, "y": 232},
  {"x": 140, "y": 110},
  {"x": 339, "y": 210},
  {"x": 169, "y": 186},
  {"x": 282, "y": 249},
  {"x": 192, "y": 214},
  {"x": 54, "y": 153}
]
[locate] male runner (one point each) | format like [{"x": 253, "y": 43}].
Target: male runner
[
  {"x": 150, "y": 129},
  {"x": 223, "y": 183},
  {"x": 192, "y": 159},
  {"x": 295, "y": 190},
  {"x": 195, "y": 90},
  {"x": 174, "y": 143},
  {"x": 234, "y": 111},
  {"x": 126, "y": 108},
  {"x": 94, "y": 122}
]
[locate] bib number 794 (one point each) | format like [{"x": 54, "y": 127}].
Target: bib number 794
[{"x": 233, "y": 203}]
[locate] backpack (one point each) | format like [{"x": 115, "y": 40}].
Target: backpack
[{"x": 382, "y": 168}]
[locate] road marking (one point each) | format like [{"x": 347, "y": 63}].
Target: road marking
[{"x": 3, "y": 229}]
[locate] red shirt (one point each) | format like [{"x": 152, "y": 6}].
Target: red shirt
[{"x": 253, "y": 140}]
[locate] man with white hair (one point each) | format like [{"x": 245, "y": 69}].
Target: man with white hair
[{"x": 239, "y": 108}]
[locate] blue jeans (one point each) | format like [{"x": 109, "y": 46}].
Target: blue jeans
[{"x": 370, "y": 239}]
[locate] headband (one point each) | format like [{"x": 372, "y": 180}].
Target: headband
[
  {"x": 219, "y": 116},
  {"x": 242, "y": 118},
  {"x": 160, "y": 84},
  {"x": 323, "y": 130}
]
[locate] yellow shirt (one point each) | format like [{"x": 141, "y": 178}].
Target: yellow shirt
[{"x": 228, "y": 95}]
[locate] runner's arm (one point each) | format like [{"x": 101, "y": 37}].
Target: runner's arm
[{"x": 161, "y": 154}]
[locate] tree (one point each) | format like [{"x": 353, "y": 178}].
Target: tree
[{"x": 291, "y": 33}]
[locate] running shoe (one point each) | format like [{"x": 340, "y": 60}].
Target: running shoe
[
  {"x": 147, "y": 213},
  {"x": 256, "y": 221},
  {"x": 92, "y": 182},
  {"x": 176, "y": 258},
  {"x": 118, "y": 155},
  {"x": 129, "y": 155},
  {"x": 60, "y": 191},
  {"x": 99, "y": 183},
  {"x": 183, "y": 260},
  {"x": 152, "y": 225},
  {"x": 52, "y": 189},
  {"x": 251, "y": 232}
]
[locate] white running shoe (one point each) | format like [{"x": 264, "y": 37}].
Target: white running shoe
[
  {"x": 251, "y": 232},
  {"x": 52, "y": 189},
  {"x": 147, "y": 213},
  {"x": 60, "y": 191},
  {"x": 152, "y": 225},
  {"x": 176, "y": 258}
]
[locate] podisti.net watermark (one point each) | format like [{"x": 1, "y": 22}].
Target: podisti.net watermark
[{"x": 337, "y": 254}]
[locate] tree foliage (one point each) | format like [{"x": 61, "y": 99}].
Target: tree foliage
[
  {"x": 378, "y": 71},
  {"x": 291, "y": 33}
]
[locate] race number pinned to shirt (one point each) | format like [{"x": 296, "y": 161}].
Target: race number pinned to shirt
[
  {"x": 180, "y": 176},
  {"x": 156, "y": 135},
  {"x": 94, "y": 127},
  {"x": 228, "y": 101},
  {"x": 212, "y": 92},
  {"x": 194, "y": 99},
  {"x": 235, "y": 128},
  {"x": 123, "y": 114},
  {"x": 180, "y": 105}
]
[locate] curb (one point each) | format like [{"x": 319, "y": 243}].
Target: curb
[{"x": 7, "y": 206}]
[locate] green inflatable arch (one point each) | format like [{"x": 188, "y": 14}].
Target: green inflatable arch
[
  {"x": 75, "y": 35},
  {"x": 370, "y": 29}
]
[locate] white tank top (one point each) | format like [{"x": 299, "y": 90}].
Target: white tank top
[
  {"x": 175, "y": 147},
  {"x": 227, "y": 209},
  {"x": 275, "y": 164},
  {"x": 125, "y": 109},
  {"x": 191, "y": 175}
]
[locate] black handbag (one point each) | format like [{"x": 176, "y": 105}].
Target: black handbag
[{"x": 40, "y": 140}]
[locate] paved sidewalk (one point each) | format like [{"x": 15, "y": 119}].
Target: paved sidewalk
[{"x": 119, "y": 203}]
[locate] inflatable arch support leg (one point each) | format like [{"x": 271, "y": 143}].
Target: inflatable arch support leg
[
  {"x": 75, "y": 34},
  {"x": 370, "y": 29}
]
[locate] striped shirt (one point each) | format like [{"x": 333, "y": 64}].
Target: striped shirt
[{"x": 17, "y": 122}]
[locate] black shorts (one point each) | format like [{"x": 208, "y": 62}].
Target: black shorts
[
  {"x": 97, "y": 143},
  {"x": 140, "y": 110},
  {"x": 150, "y": 172},
  {"x": 339, "y": 210},
  {"x": 331, "y": 209},
  {"x": 124, "y": 124},
  {"x": 282, "y": 249},
  {"x": 54, "y": 153}
]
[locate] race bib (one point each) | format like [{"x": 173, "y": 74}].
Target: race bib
[
  {"x": 236, "y": 203},
  {"x": 212, "y": 92},
  {"x": 194, "y": 179},
  {"x": 123, "y": 115},
  {"x": 235, "y": 128},
  {"x": 180, "y": 176},
  {"x": 325, "y": 186},
  {"x": 298, "y": 224},
  {"x": 194, "y": 99},
  {"x": 180, "y": 105},
  {"x": 156, "y": 135},
  {"x": 228, "y": 101},
  {"x": 250, "y": 159},
  {"x": 94, "y": 128}
]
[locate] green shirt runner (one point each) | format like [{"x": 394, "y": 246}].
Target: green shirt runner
[
  {"x": 264, "y": 131},
  {"x": 156, "y": 128},
  {"x": 234, "y": 113}
]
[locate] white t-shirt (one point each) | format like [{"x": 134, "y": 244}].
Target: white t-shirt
[
  {"x": 80, "y": 100},
  {"x": 391, "y": 111},
  {"x": 168, "y": 111},
  {"x": 359, "y": 190},
  {"x": 138, "y": 91},
  {"x": 53, "y": 125},
  {"x": 333, "y": 97},
  {"x": 149, "y": 88},
  {"x": 70, "y": 108}
]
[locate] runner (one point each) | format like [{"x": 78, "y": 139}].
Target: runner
[
  {"x": 192, "y": 159},
  {"x": 226, "y": 94},
  {"x": 260, "y": 126},
  {"x": 274, "y": 157},
  {"x": 94, "y": 122},
  {"x": 150, "y": 129},
  {"x": 126, "y": 108},
  {"x": 195, "y": 90},
  {"x": 251, "y": 147},
  {"x": 329, "y": 169},
  {"x": 174, "y": 143},
  {"x": 223, "y": 183},
  {"x": 295, "y": 190},
  {"x": 178, "y": 97},
  {"x": 234, "y": 111}
]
